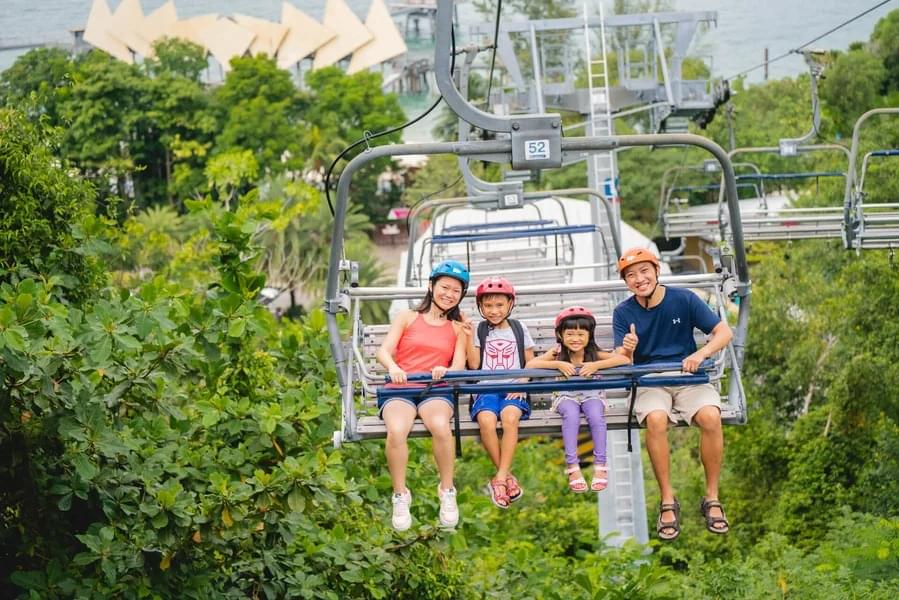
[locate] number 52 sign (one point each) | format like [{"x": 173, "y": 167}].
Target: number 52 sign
[{"x": 536, "y": 150}]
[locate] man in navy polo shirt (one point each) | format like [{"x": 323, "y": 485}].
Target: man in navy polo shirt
[{"x": 663, "y": 320}]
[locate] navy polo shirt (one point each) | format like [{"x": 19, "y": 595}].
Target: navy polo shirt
[{"x": 666, "y": 330}]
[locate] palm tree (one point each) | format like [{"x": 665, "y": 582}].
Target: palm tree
[{"x": 297, "y": 243}]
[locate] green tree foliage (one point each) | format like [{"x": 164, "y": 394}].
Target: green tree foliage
[
  {"x": 37, "y": 82},
  {"x": 544, "y": 9},
  {"x": 177, "y": 57},
  {"x": 346, "y": 107},
  {"x": 295, "y": 244},
  {"x": 885, "y": 45},
  {"x": 853, "y": 85},
  {"x": 41, "y": 208},
  {"x": 105, "y": 123},
  {"x": 258, "y": 108}
]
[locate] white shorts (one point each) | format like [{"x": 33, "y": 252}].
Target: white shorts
[{"x": 682, "y": 400}]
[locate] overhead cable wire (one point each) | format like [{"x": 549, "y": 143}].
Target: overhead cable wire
[
  {"x": 429, "y": 196},
  {"x": 368, "y": 136},
  {"x": 499, "y": 8},
  {"x": 808, "y": 43}
]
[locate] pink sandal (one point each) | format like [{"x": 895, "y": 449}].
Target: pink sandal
[
  {"x": 600, "y": 478},
  {"x": 499, "y": 493},
  {"x": 578, "y": 485},
  {"x": 515, "y": 491}
]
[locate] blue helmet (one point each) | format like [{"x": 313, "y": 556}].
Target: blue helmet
[{"x": 454, "y": 269}]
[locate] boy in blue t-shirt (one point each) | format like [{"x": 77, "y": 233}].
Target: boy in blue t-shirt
[{"x": 663, "y": 320}]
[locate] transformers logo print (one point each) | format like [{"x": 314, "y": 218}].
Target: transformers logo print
[{"x": 499, "y": 355}]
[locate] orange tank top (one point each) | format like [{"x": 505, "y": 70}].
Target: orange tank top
[{"x": 423, "y": 347}]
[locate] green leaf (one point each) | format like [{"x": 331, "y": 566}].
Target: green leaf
[
  {"x": 6, "y": 316},
  {"x": 237, "y": 328},
  {"x": 296, "y": 501},
  {"x": 14, "y": 338},
  {"x": 353, "y": 575},
  {"x": 29, "y": 580},
  {"x": 65, "y": 503},
  {"x": 128, "y": 342},
  {"x": 24, "y": 302},
  {"x": 84, "y": 467},
  {"x": 101, "y": 350}
]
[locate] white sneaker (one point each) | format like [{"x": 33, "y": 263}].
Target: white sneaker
[
  {"x": 402, "y": 518},
  {"x": 449, "y": 510}
]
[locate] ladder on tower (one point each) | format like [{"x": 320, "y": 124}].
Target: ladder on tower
[
  {"x": 622, "y": 506},
  {"x": 601, "y": 166}
]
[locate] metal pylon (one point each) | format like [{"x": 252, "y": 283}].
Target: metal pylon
[{"x": 622, "y": 506}]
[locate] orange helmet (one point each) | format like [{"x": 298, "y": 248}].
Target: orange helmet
[{"x": 634, "y": 256}]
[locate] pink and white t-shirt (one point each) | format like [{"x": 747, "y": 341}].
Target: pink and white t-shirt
[{"x": 501, "y": 350}]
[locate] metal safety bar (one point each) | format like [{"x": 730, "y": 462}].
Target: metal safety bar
[{"x": 498, "y": 225}]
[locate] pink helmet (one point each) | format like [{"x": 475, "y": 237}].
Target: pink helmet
[
  {"x": 574, "y": 311},
  {"x": 495, "y": 285}
]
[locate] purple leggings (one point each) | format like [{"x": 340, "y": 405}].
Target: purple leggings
[{"x": 595, "y": 411}]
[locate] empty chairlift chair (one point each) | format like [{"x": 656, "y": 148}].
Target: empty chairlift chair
[{"x": 869, "y": 225}]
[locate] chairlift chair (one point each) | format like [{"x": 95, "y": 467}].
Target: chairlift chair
[{"x": 869, "y": 225}]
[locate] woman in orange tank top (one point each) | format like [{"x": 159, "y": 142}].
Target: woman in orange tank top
[{"x": 432, "y": 338}]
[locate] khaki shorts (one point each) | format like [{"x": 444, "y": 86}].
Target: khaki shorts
[{"x": 683, "y": 400}]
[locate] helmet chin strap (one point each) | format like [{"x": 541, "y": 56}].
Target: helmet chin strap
[{"x": 649, "y": 298}]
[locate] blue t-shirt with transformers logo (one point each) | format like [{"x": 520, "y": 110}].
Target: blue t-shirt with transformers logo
[{"x": 665, "y": 331}]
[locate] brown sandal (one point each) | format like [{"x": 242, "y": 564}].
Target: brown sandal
[
  {"x": 668, "y": 530},
  {"x": 714, "y": 524}
]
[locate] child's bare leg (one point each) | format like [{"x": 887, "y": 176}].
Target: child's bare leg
[
  {"x": 510, "y": 416},
  {"x": 489, "y": 437}
]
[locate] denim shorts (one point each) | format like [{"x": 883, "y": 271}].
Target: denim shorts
[
  {"x": 416, "y": 403},
  {"x": 495, "y": 403}
]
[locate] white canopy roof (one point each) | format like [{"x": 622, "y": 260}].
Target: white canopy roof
[
  {"x": 160, "y": 23},
  {"x": 194, "y": 29},
  {"x": 225, "y": 40},
  {"x": 97, "y": 32},
  {"x": 304, "y": 36},
  {"x": 387, "y": 43},
  {"x": 268, "y": 35},
  {"x": 351, "y": 34},
  {"x": 128, "y": 31},
  {"x": 126, "y": 26}
]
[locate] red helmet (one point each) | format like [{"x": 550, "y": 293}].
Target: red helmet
[
  {"x": 574, "y": 311},
  {"x": 495, "y": 285},
  {"x": 634, "y": 256}
]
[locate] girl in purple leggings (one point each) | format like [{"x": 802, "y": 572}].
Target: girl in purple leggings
[{"x": 578, "y": 354}]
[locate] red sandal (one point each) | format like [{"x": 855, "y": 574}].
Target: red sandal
[
  {"x": 515, "y": 491},
  {"x": 499, "y": 493}
]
